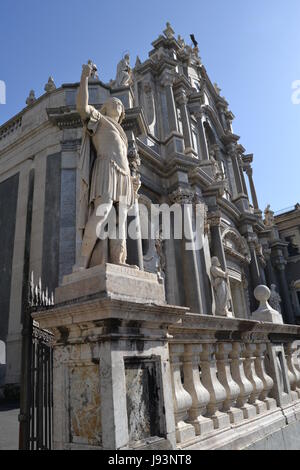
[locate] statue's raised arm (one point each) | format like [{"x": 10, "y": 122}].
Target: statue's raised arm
[{"x": 82, "y": 101}]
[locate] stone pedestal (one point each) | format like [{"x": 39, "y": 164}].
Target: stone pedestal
[
  {"x": 111, "y": 378},
  {"x": 113, "y": 280}
]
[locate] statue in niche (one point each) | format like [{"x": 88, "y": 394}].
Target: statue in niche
[
  {"x": 275, "y": 299},
  {"x": 105, "y": 180},
  {"x": 124, "y": 73},
  {"x": 219, "y": 279}
]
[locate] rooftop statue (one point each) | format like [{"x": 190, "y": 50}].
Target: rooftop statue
[
  {"x": 106, "y": 181},
  {"x": 124, "y": 73},
  {"x": 269, "y": 216}
]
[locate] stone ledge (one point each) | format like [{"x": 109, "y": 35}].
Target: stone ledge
[
  {"x": 240, "y": 436},
  {"x": 233, "y": 328},
  {"x": 103, "y": 307}
]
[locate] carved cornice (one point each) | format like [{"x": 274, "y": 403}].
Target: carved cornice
[
  {"x": 182, "y": 196},
  {"x": 10, "y": 127},
  {"x": 64, "y": 117}
]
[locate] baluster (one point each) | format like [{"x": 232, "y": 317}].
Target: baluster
[
  {"x": 256, "y": 382},
  {"x": 293, "y": 373},
  {"x": 238, "y": 375},
  {"x": 200, "y": 396},
  {"x": 267, "y": 381},
  {"x": 231, "y": 387},
  {"x": 182, "y": 399},
  {"x": 296, "y": 355},
  {"x": 215, "y": 388}
]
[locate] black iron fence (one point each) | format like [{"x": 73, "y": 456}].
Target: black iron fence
[{"x": 36, "y": 400}]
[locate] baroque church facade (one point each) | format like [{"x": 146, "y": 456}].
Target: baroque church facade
[{"x": 182, "y": 149}]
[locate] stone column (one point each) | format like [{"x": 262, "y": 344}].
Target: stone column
[
  {"x": 242, "y": 170},
  {"x": 287, "y": 310},
  {"x": 249, "y": 172},
  {"x": 182, "y": 100},
  {"x": 269, "y": 270},
  {"x": 214, "y": 219},
  {"x": 191, "y": 275},
  {"x": 236, "y": 169},
  {"x": 254, "y": 265},
  {"x": 202, "y": 136},
  {"x": 167, "y": 82}
]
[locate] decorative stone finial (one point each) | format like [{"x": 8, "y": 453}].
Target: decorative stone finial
[
  {"x": 50, "y": 85},
  {"x": 169, "y": 32},
  {"x": 31, "y": 98},
  {"x": 138, "y": 61},
  {"x": 265, "y": 313}
]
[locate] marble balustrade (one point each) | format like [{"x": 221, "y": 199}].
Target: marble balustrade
[{"x": 226, "y": 372}]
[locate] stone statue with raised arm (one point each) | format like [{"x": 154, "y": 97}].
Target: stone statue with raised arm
[
  {"x": 219, "y": 279},
  {"x": 106, "y": 181}
]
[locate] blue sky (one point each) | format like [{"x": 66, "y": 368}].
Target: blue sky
[{"x": 250, "y": 47}]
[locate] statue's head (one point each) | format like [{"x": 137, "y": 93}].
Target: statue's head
[
  {"x": 215, "y": 261},
  {"x": 114, "y": 109},
  {"x": 273, "y": 287}
]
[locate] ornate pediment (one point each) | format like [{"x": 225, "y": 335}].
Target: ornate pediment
[{"x": 235, "y": 245}]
